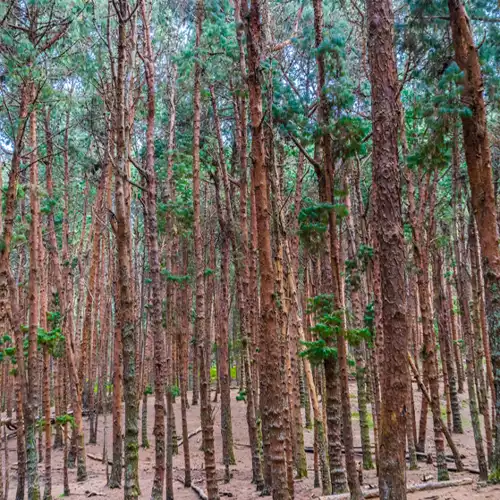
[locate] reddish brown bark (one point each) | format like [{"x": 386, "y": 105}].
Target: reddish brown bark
[
  {"x": 464, "y": 296},
  {"x": 391, "y": 253},
  {"x": 66, "y": 291},
  {"x": 271, "y": 404},
  {"x": 478, "y": 158},
  {"x": 226, "y": 225},
  {"x": 33, "y": 368},
  {"x": 423, "y": 234},
  {"x": 326, "y": 177},
  {"x": 184, "y": 330},
  {"x": 445, "y": 338},
  {"x": 125, "y": 311},
  {"x": 204, "y": 355},
  {"x": 247, "y": 273},
  {"x": 154, "y": 266}
]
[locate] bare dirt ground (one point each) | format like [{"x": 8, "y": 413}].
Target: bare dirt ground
[{"x": 240, "y": 486}]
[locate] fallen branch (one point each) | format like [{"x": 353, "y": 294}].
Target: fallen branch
[
  {"x": 195, "y": 488},
  {"x": 199, "y": 491},
  {"x": 470, "y": 470},
  {"x": 197, "y": 431},
  {"x": 434, "y": 485},
  {"x": 11, "y": 435},
  {"x": 424, "y": 456},
  {"x": 356, "y": 450},
  {"x": 245, "y": 445},
  {"x": 9, "y": 423},
  {"x": 98, "y": 459}
]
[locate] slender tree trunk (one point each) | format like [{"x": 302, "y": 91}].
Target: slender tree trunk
[
  {"x": 185, "y": 305},
  {"x": 357, "y": 314},
  {"x": 47, "y": 493},
  {"x": 66, "y": 294},
  {"x": 20, "y": 387},
  {"x": 154, "y": 267},
  {"x": 319, "y": 431},
  {"x": 271, "y": 404},
  {"x": 8, "y": 291},
  {"x": 227, "y": 232},
  {"x": 204, "y": 356},
  {"x": 481, "y": 384},
  {"x": 444, "y": 322},
  {"x": 125, "y": 311},
  {"x": 115, "y": 478},
  {"x": 463, "y": 288},
  {"x": 32, "y": 403},
  {"x": 328, "y": 283},
  {"x": 244, "y": 292},
  {"x": 457, "y": 355}
]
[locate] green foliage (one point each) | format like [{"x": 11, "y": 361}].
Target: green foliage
[
  {"x": 461, "y": 344},
  {"x": 174, "y": 390},
  {"x": 365, "y": 253},
  {"x": 148, "y": 390},
  {"x": 10, "y": 351},
  {"x": 313, "y": 223},
  {"x": 65, "y": 419},
  {"x": 48, "y": 205},
  {"x": 175, "y": 278},
  {"x": 53, "y": 339},
  {"x": 7, "y": 350},
  {"x": 328, "y": 325},
  {"x": 369, "y": 317},
  {"x": 318, "y": 350}
]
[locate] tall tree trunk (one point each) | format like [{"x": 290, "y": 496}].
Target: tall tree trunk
[
  {"x": 227, "y": 228},
  {"x": 185, "y": 305},
  {"x": 53, "y": 262},
  {"x": 244, "y": 292},
  {"x": 319, "y": 430},
  {"x": 457, "y": 355},
  {"x": 480, "y": 378},
  {"x": 357, "y": 314},
  {"x": 154, "y": 267},
  {"x": 390, "y": 248},
  {"x": 271, "y": 403},
  {"x": 324, "y": 175},
  {"x": 204, "y": 356},
  {"x": 9, "y": 316},
  {"x": 463, "y": 289},
  {"x": 66, "y": 294},
  {"x": 338, "y": 300},
  {"x": 125, "y": 286},
  {"x": 297, "y": 380},
  {"x": 32, "y": 403},
  {"x": 115, "y": 478},
  {"x": 478, "y": 158}
]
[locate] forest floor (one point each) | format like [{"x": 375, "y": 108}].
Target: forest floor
[{"x": 240, "y": 486}]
